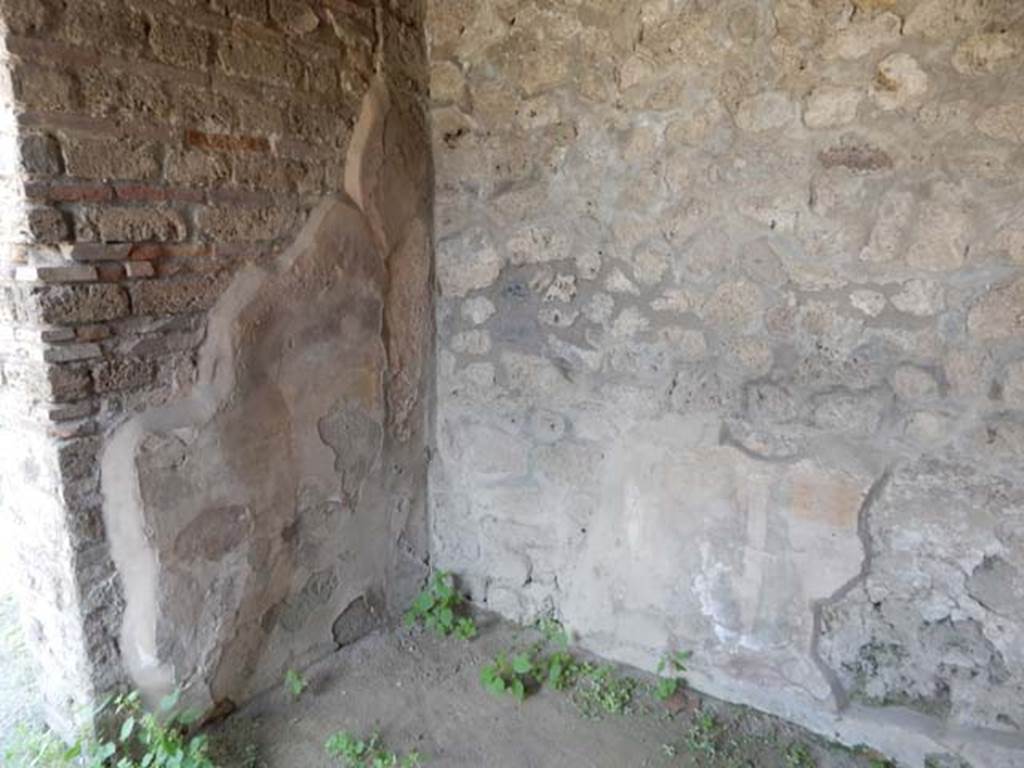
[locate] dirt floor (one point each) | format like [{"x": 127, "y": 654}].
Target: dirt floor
[{"x": 424, "y": 694}]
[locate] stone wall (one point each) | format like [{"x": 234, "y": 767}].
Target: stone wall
[
  {"x": 731, "y": 346},
  {"x": 218, "y": 242}
]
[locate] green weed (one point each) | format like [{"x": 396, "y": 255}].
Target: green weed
[
  {"x": 599, "y": 691},
  {"x": 36, "y": 748},
  {"x": 295, "y": 683},
  {"x": 144, "y": 740},
  {"x": 562, "y": 670},
  {"x": 367, "y": 753},
  {"x": 437, "y": 606},
  {"x": 513, "y": 675},
  {"x": 703, "y": 736},
  {"x": 799, "y": 756},
  {"x": 553, "y": 632},
  {"x": 675, "y": 665}
]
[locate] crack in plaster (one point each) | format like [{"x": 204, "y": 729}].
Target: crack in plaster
[{"x": 839, "y": 693}]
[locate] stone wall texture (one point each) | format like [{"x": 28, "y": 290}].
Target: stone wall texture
[
  {"x": 731, "y": 346},
  {"x": 215, "y": 300}
]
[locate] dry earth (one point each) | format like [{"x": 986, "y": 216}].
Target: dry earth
[{"x": 421, "y": 693}]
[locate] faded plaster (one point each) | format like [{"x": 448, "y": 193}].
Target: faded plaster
[{"x": 267, "y": 457}]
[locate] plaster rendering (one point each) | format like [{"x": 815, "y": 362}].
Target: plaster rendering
[{"x": 217, "y": 518}]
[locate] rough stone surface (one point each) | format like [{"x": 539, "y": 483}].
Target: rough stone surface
[{"x": 729, "y": 346}]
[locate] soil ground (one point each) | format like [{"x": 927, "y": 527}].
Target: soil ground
[{"x": 423, "y": 694}]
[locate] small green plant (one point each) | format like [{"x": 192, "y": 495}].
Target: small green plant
[
  {"x": 562, "y": 670},
  {"x": 600, "y": 691},
  {"x": 465, "y": 628},
  {"x": 675, "y": 665},
  {"x": 295, "y": 683},
  {"x": 157, "y": 739},
  {"x": 33, "y": 747},
  {"x": 143, "y": 740},
  {"x": 703, "y": 736},
  {"x": 553, "y": 632},
  {"x": 799, "y": 756},
  {"x": 354, "y": 752},
  {"x": 513, "y": 675},
  {"x": 437, "y": 606}
]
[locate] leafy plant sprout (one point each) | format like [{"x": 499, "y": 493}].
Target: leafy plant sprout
[
  {"x": 675, "y": 665},
  {"x": 437, "y": 608},
  {"x": 143, "y": 740},
  {"x": 354, "y": 752},
  {"x": 295, "y": 683}
]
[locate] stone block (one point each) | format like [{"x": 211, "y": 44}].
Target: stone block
[
  {"x": 44, "y": 90},
  {"x": 129, "y": 96},
  {"x": 197, "y": 168},
  {"x": 109, "y": 26},
  {"x": 294, "y": 17},
  {"x": 899, "y": 82},
  {"x": 30, "y": 17},
  {"x": 79, "y": 458},
  {"x": 122, "y": 375},
  {"x": 133, "y": 225},
  {"x": 830, "y": 106},
  {"x": 985, "y": 52},
  {"x": 47, "y": 225},
  {"x": 271, "y": 64},
  {"x": 1005, "y": 122},
  {"x": 254, "y": 10},
  {"x": 766, "y": 111},
  {"x": 105, "y": 159},
  {"x": 72, "y": 304},
  {"x": 227, "y": 224},
  {"x": 466, "y": 263},
  {"x": 40, "y": 155},
  {"x": 175, "y": 42},
  {"x": 998, "y": 314},
  {"x": 171, "y": 297},
  {"x": 70, "y": 411}
]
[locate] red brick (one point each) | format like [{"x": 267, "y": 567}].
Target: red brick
[
  {"x": 224, "y": 142},
  {"x": 111, "y": 272},
  {"x": 99, "y": 251},
  {"x": 148, "y": 193},
  {"x": 139, "y": 269},
  {"x": 154, "y": 251},
  {"x": 92, "y": 332},
  {"x": 67, "y": 193}
]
